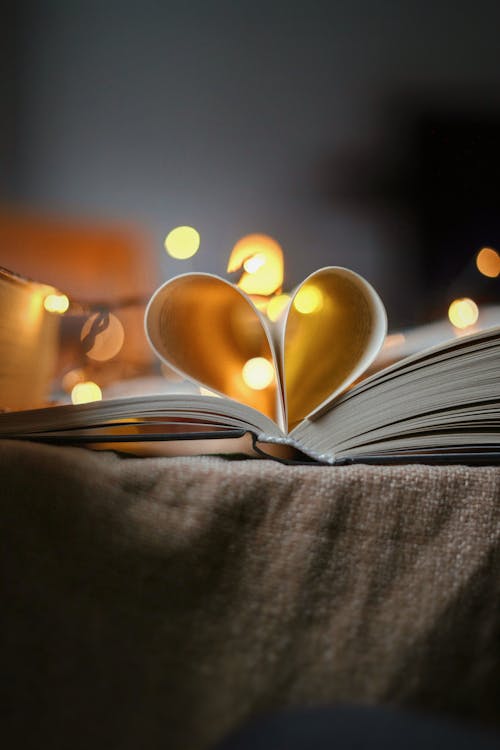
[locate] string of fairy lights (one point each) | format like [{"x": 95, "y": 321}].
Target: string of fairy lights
[
  {"x": 101, "y": 339},
  {"x": 259, "y": 260}
]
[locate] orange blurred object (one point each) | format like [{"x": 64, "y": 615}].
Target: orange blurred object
[
  {"x": 29, "y": 337},
  {"x": 87, "y": 261},
  {"x": 488, "y": 262}
]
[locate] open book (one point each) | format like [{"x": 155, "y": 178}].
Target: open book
[{"x": 293, "y": 389}]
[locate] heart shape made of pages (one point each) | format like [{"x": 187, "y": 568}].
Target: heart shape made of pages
[{"x": 208, "y": 330}]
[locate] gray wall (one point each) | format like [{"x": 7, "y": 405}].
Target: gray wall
[{"x": 222, "y": 114}]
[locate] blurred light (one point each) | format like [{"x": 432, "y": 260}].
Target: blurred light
[
  {"x": 258, "y": 373},
  {"x": 56, "y": 303},
  {"x": 261, "y": 257},
  {"x": 463, "y": 312},
  {"x": 85, "y": 392},
  {"x": 71, "y": 378},
  {"x": 252, "y": 264},
  {"x": 260, "y": 303},
  {"x": 182, "y": 242},
  {"x": 394, "y": 339},
  {"x": 308, "y": 300},
  {"x": 488, "y": 262},
  {"x": 104, "y": 335},
  {"x": 277, "y": 306}
]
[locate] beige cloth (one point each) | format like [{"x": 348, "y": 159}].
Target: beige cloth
[{"x": 158, "y": 603}]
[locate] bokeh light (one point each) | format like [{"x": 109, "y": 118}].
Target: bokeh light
[
  {"x": 277, "y": 306},
  {"x": 103, "y": 336},
  {"x": 394, "y": 339},
  {"x": 463, "y": 312},
  {"x": 308, "y": 300},
  {"x": 72, "y": 378},
  {"x": 488, "y": 262},
  {"x": 182, "y": 242},
  {"x": 258, "y": 373},
  {"x": 56, "y": 303},
  {"x": 252, "y": 264},
  {"x": 84, "y": 393},
  {"x": 261, "y": 258}
]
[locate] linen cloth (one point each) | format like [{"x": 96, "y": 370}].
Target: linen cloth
[{"x": 158, "y": 603}]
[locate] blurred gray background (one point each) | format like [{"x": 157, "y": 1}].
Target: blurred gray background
[{"x": 303, "y": 121}]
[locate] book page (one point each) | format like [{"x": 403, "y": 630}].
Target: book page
[
  {"x": 164, "y": 414},
  {"x": 333, "y": 330},
  {"x": 208, "y": 330},
  {"x": 442, "y": 400}
]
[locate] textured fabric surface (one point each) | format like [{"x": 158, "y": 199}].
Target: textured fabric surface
[{"x": 158, "y": 603}]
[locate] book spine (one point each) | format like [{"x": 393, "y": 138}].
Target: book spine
[{"x": 322, "y": 458}]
